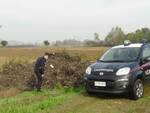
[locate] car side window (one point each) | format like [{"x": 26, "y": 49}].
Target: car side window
[{"x": 146, "y": 52}]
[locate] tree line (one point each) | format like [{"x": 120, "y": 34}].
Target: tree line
[
  {"x": 117, "y": 36},
  {"x": 114, "y": 37}
]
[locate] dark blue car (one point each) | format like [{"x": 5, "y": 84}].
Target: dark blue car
[{"x": 122, "y": 69}]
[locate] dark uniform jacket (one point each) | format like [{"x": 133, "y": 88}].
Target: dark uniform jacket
[{"x": 40, "y": 65}]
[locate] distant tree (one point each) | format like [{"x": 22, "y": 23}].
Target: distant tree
[
  {"x": 71, "y": 42},
  {"x": 115, "y": 36},
  {"x": 68, "y": 43},
  {"x": 4, "y": 43},
  {"x": 46, "y": 43},
  {"x": 96, "y": 37},
  {"x": 139, "y": 34}
]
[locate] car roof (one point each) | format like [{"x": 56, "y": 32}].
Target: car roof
[{"x": 130, "y": 45}]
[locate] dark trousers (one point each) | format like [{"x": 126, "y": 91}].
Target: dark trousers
[{"x": 39, "y": 80}]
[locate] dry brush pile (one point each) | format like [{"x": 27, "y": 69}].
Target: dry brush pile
[{"x": 68, "y": 71}]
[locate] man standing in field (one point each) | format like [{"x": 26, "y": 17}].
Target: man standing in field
[{"x": 39, "y": 70}]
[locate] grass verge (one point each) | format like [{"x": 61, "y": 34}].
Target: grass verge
[{"x": 33, "y": 102}]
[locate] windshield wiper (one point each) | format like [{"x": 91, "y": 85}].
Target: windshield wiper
[{"x": 113, "y": 61}]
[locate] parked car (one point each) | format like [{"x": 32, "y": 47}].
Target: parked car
[{"x": 122, "y": 69}]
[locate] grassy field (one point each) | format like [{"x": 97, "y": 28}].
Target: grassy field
[
  {"x": 60, "y": 100},
  {"x": 33, "y": 102},
  {"x": 30, "y": 54},
  {"x": 71, "y": 101}
]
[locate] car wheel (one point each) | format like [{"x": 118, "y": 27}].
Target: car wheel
[
  {"x": 89, "y": 92},
  {"x": 137, "y": 90}
]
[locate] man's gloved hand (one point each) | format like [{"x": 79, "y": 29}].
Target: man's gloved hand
[
  {"x": 42, "y": 75},
  {"x": 51, "y": 66}
]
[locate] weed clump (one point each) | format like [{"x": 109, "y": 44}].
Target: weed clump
[{"x": 68, "y": 71}]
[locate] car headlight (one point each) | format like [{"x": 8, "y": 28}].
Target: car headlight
[
  {"x": 88, "y": 70},
  {"x": 123, "y": 71}
]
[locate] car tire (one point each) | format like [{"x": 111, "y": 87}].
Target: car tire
[
  {"x": 89, "y": 92},
  {"x": 137, "y": 90}
]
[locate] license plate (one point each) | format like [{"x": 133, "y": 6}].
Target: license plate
[{"x": 100, "y": 84}]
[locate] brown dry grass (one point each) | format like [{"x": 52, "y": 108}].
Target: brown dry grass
[
  {"x": 30, "y": 54},
  {"x": 9, "y": 92}
]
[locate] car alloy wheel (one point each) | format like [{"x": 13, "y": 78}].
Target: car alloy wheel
[{"x": 139, "y": 89}]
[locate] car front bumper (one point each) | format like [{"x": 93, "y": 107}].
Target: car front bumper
[{"x": 117, "y": 86}]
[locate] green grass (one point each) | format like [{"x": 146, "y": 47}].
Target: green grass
[
  {"x": 62, "y": 100},
  {"x": 33, "y": 102}
]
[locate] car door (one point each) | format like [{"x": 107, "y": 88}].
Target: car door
[{"x": 146, "y": 63}]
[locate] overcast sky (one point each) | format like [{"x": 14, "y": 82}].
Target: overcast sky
[{"x": 37, "y": 20}]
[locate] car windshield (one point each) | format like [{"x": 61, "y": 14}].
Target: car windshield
[{"x": 127, "y": 54}]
